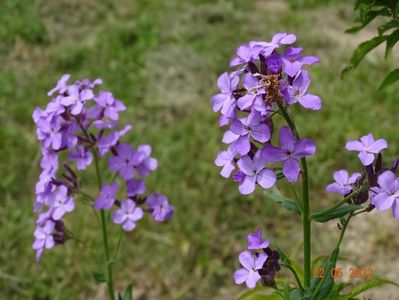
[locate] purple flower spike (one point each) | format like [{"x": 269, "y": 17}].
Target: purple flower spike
[
  {"x": 43, "y": 238},
  {"x": 225, "y": 100},
  {"x": 255, "y": 241},
  {"x": 82, "y": 157},
  {"x": 297, "y": 92},
  {"x": 159, "y": 206},
  {"x": 249, "y": 274},
  {"x": 255, "y": 172},
  {"x": 60, "y": 203},
  {"x": 367, "y": 147},
  {"x": 225, "y": 159},
  {"x": 290, "y": 152},
  {"x": 107, "y": 196},
  {"x": 127, "y": 215},
  {"x": 386, "y": 196},
  {"x": 126, "y": 161},
  {"x": 343, "y": 183}
]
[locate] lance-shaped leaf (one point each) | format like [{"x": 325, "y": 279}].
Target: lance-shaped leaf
[
  {"x": 284, "y": 201},
  {"x": 364, "y": 286},
  {"x": 389, "y": 79},
  {"x": 128, "y": 293},
  {"x": 361, "y": 52},
  {"x": 389, "y": 25},
  {"x": 337, "y": 213},
  {"x": 391, "y": 41}
]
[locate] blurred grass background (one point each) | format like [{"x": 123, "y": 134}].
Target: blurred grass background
[{"x": 162, "y": 58}]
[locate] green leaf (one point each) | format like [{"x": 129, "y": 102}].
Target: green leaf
[
  {"x": 326, "y": 283},
  {"x": 369, "y": 16},
  {"x": 127, "y": 293},
  {"x": 247, "y": 294},
  {"x": 284, "y": 201},
  {"x": 389, "y": 79},
  {"x": 296, "y": 294},
  {"x": 361, "y": 52},
  {"x": 298, "y": 270},
  {"x": 361, "y": 287},
  {"x": 337, "y": 213},
  {"x": 389, "y": 25},
  {"x": 99, "y": 277},
  {"x": 266, "y": 297},
  {"x": 391, "y": 41}
]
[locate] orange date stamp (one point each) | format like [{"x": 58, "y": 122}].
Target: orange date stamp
[{"x": 338, "y": 272}]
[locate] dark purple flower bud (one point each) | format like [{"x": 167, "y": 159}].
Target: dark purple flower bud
[{"x": 239, "y": 176}]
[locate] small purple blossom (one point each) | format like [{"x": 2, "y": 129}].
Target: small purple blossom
[
  {"x": 82, "y": 157},
  {"x": 225, "y": 101},
  {"x": 107, "y": 196},
  {"x": 367, "y": 148},
  {"x": 289, "y": 153},
  {"x": 147, "y": 163},
  {"x": 386, "y": 195},
  {"x": 127, "y": 215},
  {"x": 255, "y": 241},
  {"x": 249, "y": 274},
  {"x": 76, "y": 99},
  {"x": 343, "y": 183},
  {"x": 126, "y": 161},
  {"x": 135, "y": 187},
  {"x": 255, "y": 172},
  {"x": 159, "y": 206},
  {"x": 60, "y": 203},
  {"x": 293, "y": 61},
  {"x": 43, "y": 238},
  {"x": 225, "y": 159},
  {"x": 109, "y": 105}
]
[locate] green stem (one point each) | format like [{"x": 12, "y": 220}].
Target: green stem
[
  {"x": 295, "y": 275},
  {"x": 104, "y": 233},
  {"x": 305, "y": 203}
]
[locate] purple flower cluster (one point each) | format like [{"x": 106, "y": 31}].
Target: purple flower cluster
[
  {"x": 83, "y": 124},
  {"x": 257, "y": 265},
  {"x": 265, "y": 80},
  {"x": 379, "y": 184}
]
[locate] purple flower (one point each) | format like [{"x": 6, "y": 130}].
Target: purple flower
[
  {"x": 225, "y": 159},
  {"x": 278, "y": 39},
  {"x": 255, "y": 172},
  {"x": 61, "y": 86},
  {"x": 159, "y": 206},
  {"x": 293, "y": 61},
  {"x": 126, "y": 161},
  {"x": 242, "y": 129},
  {"x": 290, "y": 152},
  {"x": 147, "y": 163},
  {"x": 343, "y": 183},
  {"x": 247, "y": 52},
  {"x": 110, "y": 105},
  {"x": 106, "y": 142},
  {"x": 225, "y": 100},
  {"x": 49, "y": 132},
  {"x": 60, "y": 202},
  {"x": 107, "y": 196},
  {"x": 249, "y": 274},
  {"x": 43, "y": 238},
  {"x": 127, "y": 215},
  {"x": 367, "y": 147},
  {"x": 386, "y": 196},
  {"x": 297, "y": 92},
  {"x": 135, "y": 187},
  {"x": 82, "y": 157},
  {"x": 255, "y": 241},
  {"x": 254, "y": 94},
  {"x": 76, "y": 99}
]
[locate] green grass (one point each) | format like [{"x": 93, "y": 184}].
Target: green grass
[{"x": 162, "y": 58}]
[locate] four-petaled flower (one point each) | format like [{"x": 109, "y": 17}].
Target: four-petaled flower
[
  {"x": 127, "y": 215},
  {"x": 43, "y": 238},
  {"x": 126, "y": 161},
  {"x": 225, "y": 100},
  {"x": 367, "y": 147},
  {"x": 290, "y": 152},
  {"x": 59, "y": 202},
  {"x": 255, "y": 241},
  {"x": 386, "y": 196},
  {"x": 225, "y": 159},
  {"x": 159, "y": 206},
  {"x": 249, "y": 274},
  {"x": 255, "y": 172},
  {"x": 82, "y": 157},
  {"x": 343, "y": 183},
  {"x": 107, "y": 196}
]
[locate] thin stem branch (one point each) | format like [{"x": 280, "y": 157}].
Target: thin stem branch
[{"x": 298, "y": 281}]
